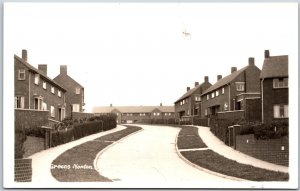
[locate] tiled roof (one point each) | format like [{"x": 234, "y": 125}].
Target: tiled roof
[
  {"x": 62, "y": 77},
  {"x": 133, "y": 109},
  {"x": 188, "y": 93},
  {"x": 38, "y": 72},
  {"x": 275, "y": 66},
  {"x": 225, "y": 80}
]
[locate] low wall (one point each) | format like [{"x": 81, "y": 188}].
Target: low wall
[
  {"x": 33, "y": 145},
  {"x": 30, "y": 118},
  {"x": 232, "y": 115},
  {"x": 80, "y": 115},
  {"x": 271, "y": 150},
  {"x": 23, "y": 170}
]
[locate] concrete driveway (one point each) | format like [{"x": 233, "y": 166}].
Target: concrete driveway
[{"x": 149, "y": 159}]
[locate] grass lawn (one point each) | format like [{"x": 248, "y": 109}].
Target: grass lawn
[
  {"x": 78, "y": 161},
  {"x": 210, "y": 160},
  {"x": 188, "y": 138}
]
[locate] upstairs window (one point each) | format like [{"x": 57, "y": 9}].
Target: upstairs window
[
  {"x": 36, "y": 79},
  {"x": 52, "y": 90},
  {"x": 225, "y": 106},
  {"x": 197, "y": 98},
  {"x": 77, "y": 90},
  {"x": 52, "y": 111},
  {"x": 223, "y": 90},
  {"x": 21, "y": 75},
  {"x": 213, "y": 95},
  {"x": 44, "y": 85},
  {"x": 217, "y": 93},
  {"x": 207, "y": 96},
  {"x": 240, "y": 86},
  {"x": 280, "y": 83},
  {"x": 59, "y": 93},
  {"x": 19, "y": 102}
]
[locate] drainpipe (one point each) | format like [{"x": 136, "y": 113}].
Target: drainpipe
[
  {"x": 262, "y": 100},
  {"x": 229, "y": 97}
]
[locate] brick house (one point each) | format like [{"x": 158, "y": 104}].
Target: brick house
[
  {"x": 189, "y": 104},
  {"x": 274, "y": 88},
  {"x": 136, "y": 114},
  {"x": 74, "y": 94},
  {"x": 34, "y": 90},
  {"x": 228, "y": 97}
]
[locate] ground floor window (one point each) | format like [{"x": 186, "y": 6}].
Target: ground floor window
[
  {"x": 281, "y": 111},
  {"x": 38, "y": 103},
  {"x": 75, "y": 108},
  {"x": 52, "y": 111},
  {"x": 19, "y": 102}
]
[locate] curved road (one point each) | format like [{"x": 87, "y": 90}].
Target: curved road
[{"x": 149, "y": 156}]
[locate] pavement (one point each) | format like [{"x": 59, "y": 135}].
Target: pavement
[{"x": 218, "y": 146}]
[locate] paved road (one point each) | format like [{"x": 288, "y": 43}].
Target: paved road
[{"x": 149, "y": 156}]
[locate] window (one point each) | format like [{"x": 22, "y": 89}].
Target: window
[
  {"x": 183, "y": 102},
  {"x": 21, "y": 75},
  {"x": 213, "y": 95},
  {"x": 38, "y": 103},
  {"x": 59, "y": 93},
  {"x": 217, "y": 93},
  {"x": 240, "y": 86},
  {"x": 154, "y": 114},
  {"x": 281, "y": 111},
  {"x": 225, "y": 106},
  {"x": 166, "y": 114},
  {"x": 206, "y": 113},
  {"x": 142, "y": 114},
  {"x": 188, "y": 112},
  {"x": 280, "y": 83},
  {"x": 52, "y": 90},
  {"x": 75, "y": 108},
  {"x": 223, "y": 90},
  {"x": 197, "y": 98},
  {"x": 158, "y": 114},
  {"x": 44, "y": 106},
  {"x": 207, "y": 96},
  {"x": 19, "y": 102},
  {"x": 36, "y": 79},
  {"x": 77, "y": 90},
  {"x": 52, "y": 111},
  {"x": 44, "y": 85}
]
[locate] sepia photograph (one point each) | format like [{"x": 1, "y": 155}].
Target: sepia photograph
[{"x": 150, "y": 95}]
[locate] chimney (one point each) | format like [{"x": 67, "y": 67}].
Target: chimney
[
  {"x": 233, "y": 69},
  {"x": 43, "y": 68},
  {"x": 24, "y": 55},
  {"x": 196, "y": 84},
  {"x": 205, "y": 78},
  {"x": 267, "y": 54},
  {"x": 219, "y": 77},
  {"x": 63, "y": 69},
  {"x": 188, "y": 88},
  {"x": 110, "y": 105},
  {"x": 251, "y": 61},
  {"x": 160, "y": 104}
]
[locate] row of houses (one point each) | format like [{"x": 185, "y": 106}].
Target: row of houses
[
  {"x": 249, "y": 93},
  {"x": 138, "y": 114},
  {"x": 34, "y": 90}
]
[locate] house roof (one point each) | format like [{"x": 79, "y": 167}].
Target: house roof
[
  {"x": 64, "y": 77},
  {"x": 30, "y": 67},
  {"x": 189, "y": 93},
  {"x": 133, "y": 109},
  {"x": 275, "y": 66},
  {"x": 225, "y": 80}
]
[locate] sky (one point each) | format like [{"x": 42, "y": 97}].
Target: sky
[{"x": 137, "y": 54}]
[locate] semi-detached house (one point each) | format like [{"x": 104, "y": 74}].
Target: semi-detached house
[
  {"x": 34, "y": 90},
  {"x": 234, "y": 96}
]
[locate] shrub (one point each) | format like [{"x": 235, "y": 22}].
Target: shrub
[
  {"x": 220, "y": 128},
  {"x": 20, "y": 138}
]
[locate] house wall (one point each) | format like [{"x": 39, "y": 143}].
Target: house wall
[
  {"x": 271, "y": 97},
  {"x": 253, "y": 110},
  {"x": 270, "y": 150},
  {"x": 21, "y": 86},
  {"x": 49, "y": 98},
  {"x": 30, "y": 118}
]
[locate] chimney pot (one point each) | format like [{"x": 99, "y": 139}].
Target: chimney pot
[
  {"x": 267, "y": 54},
  {"x": 110, "y": 105},
  {"x": 251, "y": 61},
  {"x": 188, "y": 88},
  {"x": 205, "y": 78},
  {"x": 24, "y": 55},
  {"x": 43, "y": 68},
  {"x": 196, "y": 84},
  {"x": 63, "y": 69},
  {"x": 219, "y": 77},
  {"x": 233, "y": 69}
]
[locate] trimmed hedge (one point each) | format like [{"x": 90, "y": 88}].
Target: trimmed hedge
[
  {"x": 20, "y": 138},
  {"x": 220, "y": 128}
]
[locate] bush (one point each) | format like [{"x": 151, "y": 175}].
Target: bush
[
  {"x": 20, "y": 138},
  {"x": 220, "y": 128}
]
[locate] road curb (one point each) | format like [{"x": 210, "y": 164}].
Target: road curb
[
  {"x": 204, "y": 169},
  {"x": 109, "y": 146}
]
